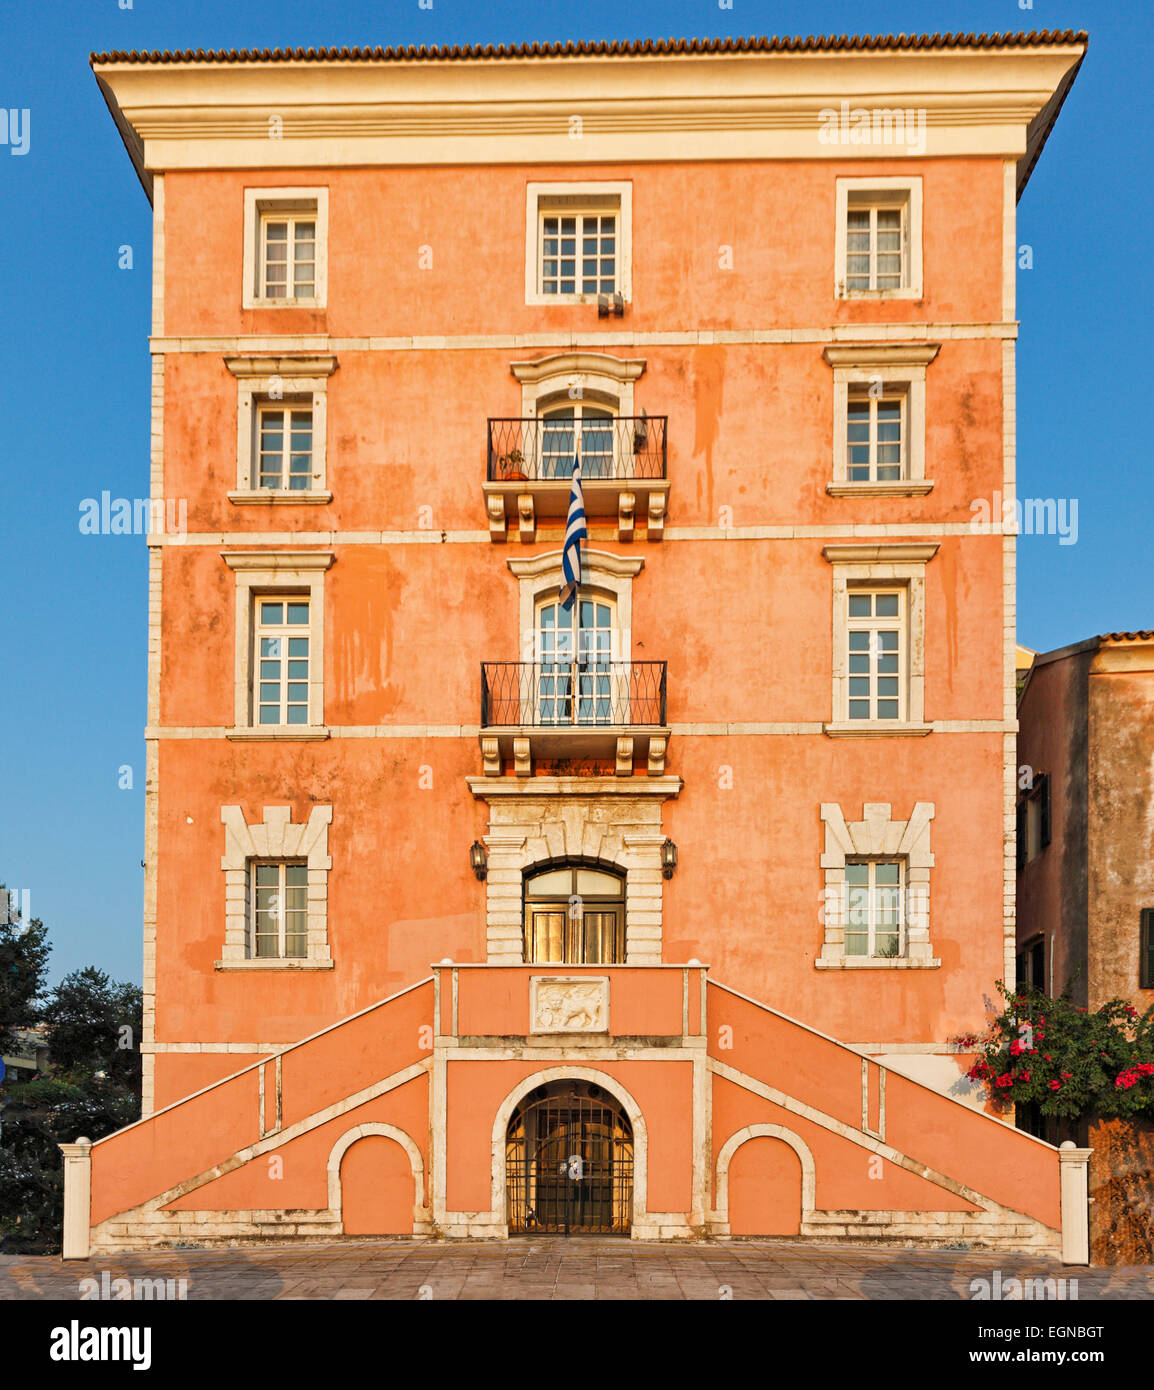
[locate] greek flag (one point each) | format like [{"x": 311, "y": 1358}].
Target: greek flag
[{"x": 575, "y": 533}]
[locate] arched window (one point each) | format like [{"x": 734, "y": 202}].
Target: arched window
[
  {"x": 565, "y": 428},
  {"x": 575, "y": 915},
  {"x": 575, "y": 649}
]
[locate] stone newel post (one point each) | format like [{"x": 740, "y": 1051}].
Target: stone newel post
[
  {"x": 77, "y": 1198},
  {"x": 1075, "y": 1169}
]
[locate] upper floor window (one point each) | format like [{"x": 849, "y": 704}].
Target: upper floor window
[
  {"x": 875, "y": 656},
  {"x": 874, "y": 920},
  {"x": 280, "y": 443},
  {"x": 879, "y": 238},
  {"x": 578, "y": 242},
  {"x": 1034, "y": 820},
  {"x": 578, "y": 681},
  {"x": 285, "y": 247},
  {"x": 280, "y": 917},
  {"x": 879, "y": 418},
  {"x": 585, "y": 428},
  {"x": 285, "y": 447},
  {"x": 1146, "y": 948},
  {"x": 875, "y": 435},
  {"x": 282, "y": 658},
  {"x": 879, "y": 639},
  {"x": 278, "y": 679}
]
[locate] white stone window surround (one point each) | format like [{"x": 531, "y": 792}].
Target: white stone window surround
[
  {"x": 602, "y": 820},
  {"x": 275, "y": 381},
  {"x": 901, "y": 369},
  {"x": 878, "y": 836},
  {"x": 565, "y": 377},
  {"x": 891, "y": 191},
  {"x": 275, "y": 837},
  {"x": 543, "y": 199},
  {"x": 268, "y": 573},
  {"x": 258, "y": 202},
  {"x": 880, "y": 566},
  {"x": 603, "y": 573}
]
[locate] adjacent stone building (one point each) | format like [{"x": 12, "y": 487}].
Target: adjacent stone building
[
  {"x": 473, "y": 911},
  {"x": 1086, "y": 883},
  {"x": 1086, "y": 821}
]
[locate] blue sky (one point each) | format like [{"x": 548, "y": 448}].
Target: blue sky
[{"x": 74, "y": 352}]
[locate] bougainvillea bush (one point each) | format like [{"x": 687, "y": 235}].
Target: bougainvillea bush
[{"x": 1070, "y": 1062}]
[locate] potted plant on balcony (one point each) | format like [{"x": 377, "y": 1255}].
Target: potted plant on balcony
[{"x": 508, "y": 466}]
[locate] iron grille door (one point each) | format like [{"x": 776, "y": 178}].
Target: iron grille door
[{"x": 569, "y": 1166}]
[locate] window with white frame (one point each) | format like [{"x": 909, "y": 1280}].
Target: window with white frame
[
  {"x": 875, "y": 245},
  {"x": 280, "y": 442},
  {"x": 285, "y": 247},
  {"x": 875, "y": 436},
  {"x": 276, "y": 873},
  {"x": 279, "y": 664},
  {"x": 879, "y": 639},
  {"x": 281, "y": 634},
  {"x": 874, "y": 916},
  {"x": 879, "y": 418},
  {"x": 578, "y": 242},
  {"x": 284, "y": 446},
  {"x": 875, "y": 657},
  {"x": 279, "y": 927},
  {"x": 288, "y": 255},
  {"x": 879, "y": 238}
]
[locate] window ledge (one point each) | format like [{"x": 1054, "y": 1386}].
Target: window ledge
[
  {"x": 258, "y": 303},
  {"x": 277, "y": 733},
  {"x": 269, "y": 498},
  {"x": 877, "y": 963},
  {"x": 876, "y": 729},
  {"x": 537, "y": 300},
  {"x": 903, "y": 487},
  {"x": 273, "y": 963},
  {"x": 907, "y": 292}
]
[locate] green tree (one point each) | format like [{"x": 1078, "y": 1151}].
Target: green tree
[
  {"x": 24, "y": 952},
  {"x": 91, "y": 1087},
  {"x": 94, "y": 1024}
]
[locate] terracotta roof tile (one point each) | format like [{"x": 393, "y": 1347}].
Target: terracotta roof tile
[
  {"x": 1144, "y": 636},
  {"x": 616, "y": 47}
]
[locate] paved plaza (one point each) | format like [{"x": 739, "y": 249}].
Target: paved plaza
[{"x": 564, "y": 1269}]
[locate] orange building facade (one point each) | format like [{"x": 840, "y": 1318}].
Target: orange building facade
[{"x": 472, "y": 912}]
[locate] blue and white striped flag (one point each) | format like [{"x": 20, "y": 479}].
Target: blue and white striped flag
[{"x": 575, "y": 533}]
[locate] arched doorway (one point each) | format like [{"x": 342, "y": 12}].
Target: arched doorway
[{"x": 569, "y": 1162}]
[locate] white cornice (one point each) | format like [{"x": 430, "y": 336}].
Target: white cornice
[
  {"x": 592, "y": 562},
  {"x": 576, "y": 364},
  {"x": 879, "y": 554},
  {"x": 520, "y": 110},
  {"x": 881, "y": 354}
]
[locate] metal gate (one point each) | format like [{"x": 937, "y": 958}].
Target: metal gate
[{"x": 569, "y": 1163}]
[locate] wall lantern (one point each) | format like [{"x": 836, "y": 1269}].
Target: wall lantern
[
  {"x": 668, "y": 858},
  {"x": 479, "y": 859}
]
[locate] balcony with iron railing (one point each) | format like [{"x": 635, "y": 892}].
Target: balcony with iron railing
[
  {"x": 581, "y": 709},
  {"x": 529, "y": 471}
]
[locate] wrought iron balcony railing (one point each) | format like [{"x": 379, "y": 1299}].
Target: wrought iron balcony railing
[
  {"x": 578, "y": 695},
  {"x": 622, "y": 447}
]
